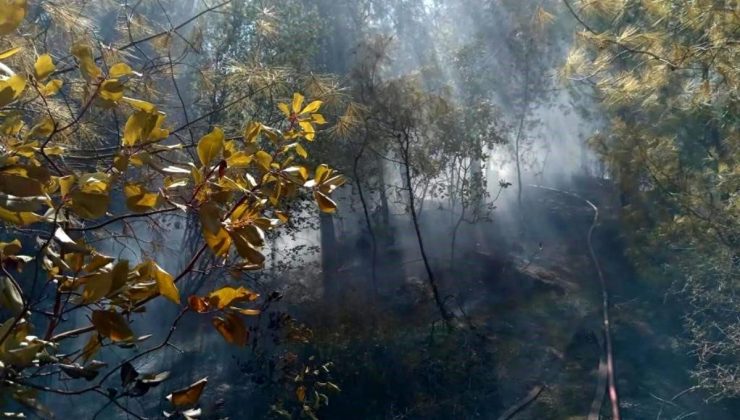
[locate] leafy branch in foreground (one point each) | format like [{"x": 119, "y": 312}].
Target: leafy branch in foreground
[{"x": 238, "y": 187}]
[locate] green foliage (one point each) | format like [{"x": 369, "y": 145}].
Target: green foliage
[{"x": 666, "y": 73}]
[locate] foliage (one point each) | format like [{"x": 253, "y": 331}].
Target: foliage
[
  {"x": 666, "y": 73},
  {"x": 237, "y": 184}
]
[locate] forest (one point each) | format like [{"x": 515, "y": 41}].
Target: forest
[{"x": 370, "y": 209}]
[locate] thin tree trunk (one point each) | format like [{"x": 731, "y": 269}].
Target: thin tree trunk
[
  {"x": 454, "y": 237},
  {"x": 412, "y": 208},
  {"x": 368, "y": 222},
  {"x": 328, "y": 254},
  {"x": 520, "y": 131},
  {"x": 384, "y": 208}
]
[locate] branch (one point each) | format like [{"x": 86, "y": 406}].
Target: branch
[
  {"x": 134, "y": 43},
  {"x": 178, "y": 27},
  {"x": 122, "y": 217},
  {"x": 632, "y": 50}
]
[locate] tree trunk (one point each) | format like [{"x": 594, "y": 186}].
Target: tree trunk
[
  {"x": 328, "y": 255},
  {"x": 384, "y": 208},
  {"x": 406, "y": 175},
  {"x": 368, "y": 222},
  {"x": 521, "y": 131}
]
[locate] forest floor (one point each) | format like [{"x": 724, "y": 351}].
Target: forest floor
[
  {"x": 550, "y": 333},
  {"x": 529, "y": 319}
]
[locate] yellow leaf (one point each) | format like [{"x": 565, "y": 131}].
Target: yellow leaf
[
  {"x": 210, "y": 217},
  {"x": 68, "y": 244},
  {"x": 219, "y": 242},
  {"x": 301, "y": 151},
  {"x": 119, "y": 70},
  {"x": 21, "y": 218},
  {"x": 11, "y": 89},
  {"x": 297, "y": 102},
  {"x": 90, "y": 71},
  {"x": 10, "y": 248},
  {"x": 284, "y": 108},
  {"x": 232, "y": 328},
  {"x": 312, "y": 107},
  {"x": 43, "y": 129},
  {"x": 296, "y": 174},
  {"x": 10, "y": 296},
  {"x": 215, "y": 235},
  {"x": 239, "y": 159},
  {"x": 326, "y": 204},
  {"x": 66, "y": 183},
  {"x": 119, "y": 275},
  {"x": 112, "y": 325},
  {"x": 140, "y": 105},
  {"x": 329, "y": 185},
  {"x": 138, "y": 159},
  {"x": 254, "y": 234},
  {"x": 111, "y": 90},
  {"x": 54, "y": 150},
  {"x": 264, "y": 159},
  {"x": 245, "y": 249},
  {"x": 321, "y": 174},
  {"x": 188, "y": 396},
  {"x": 12, "y": 13},
  {"x": 96, "y": 182},
  {"x": 282, "y": 216},
  {"x": 158, "y": 133},
  {"x": 172, "y": 183},
  {"x": 274, "y": 192},
  {"x": 97, "y": 261},
  {"x": 318, "y": 119},
  {"x": 252, "y": 131},
  {"x": 120, "y": 162},
  {"x": 138, "y": 126},
  {"x": 210, "y": 146},
  {"x": 9, "y": 53},
  {"x": 52, "y": 87},
  {"x": 308, "y": 131},
  {"x": 43, "y": 67},
  {"x": 89, "y": 205},
  {"x": 166, "y": 283},
  {"x": 226, "y": 296},
  {"x": 20, "y": 186},
  {"x": 40, "y": 173},
  {"x": 11, "y": 126},
  {"x": 270, "y": 133},
  {"x": 138, "y": 199},
  {"x": 97, "y": 287}
]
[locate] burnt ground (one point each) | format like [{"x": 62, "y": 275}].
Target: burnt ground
[{"x": 528, "y": 315}]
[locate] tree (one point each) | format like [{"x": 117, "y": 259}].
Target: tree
[
  {"x": 666, "y": 74},
  {"x": 58, "y": 198}
]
